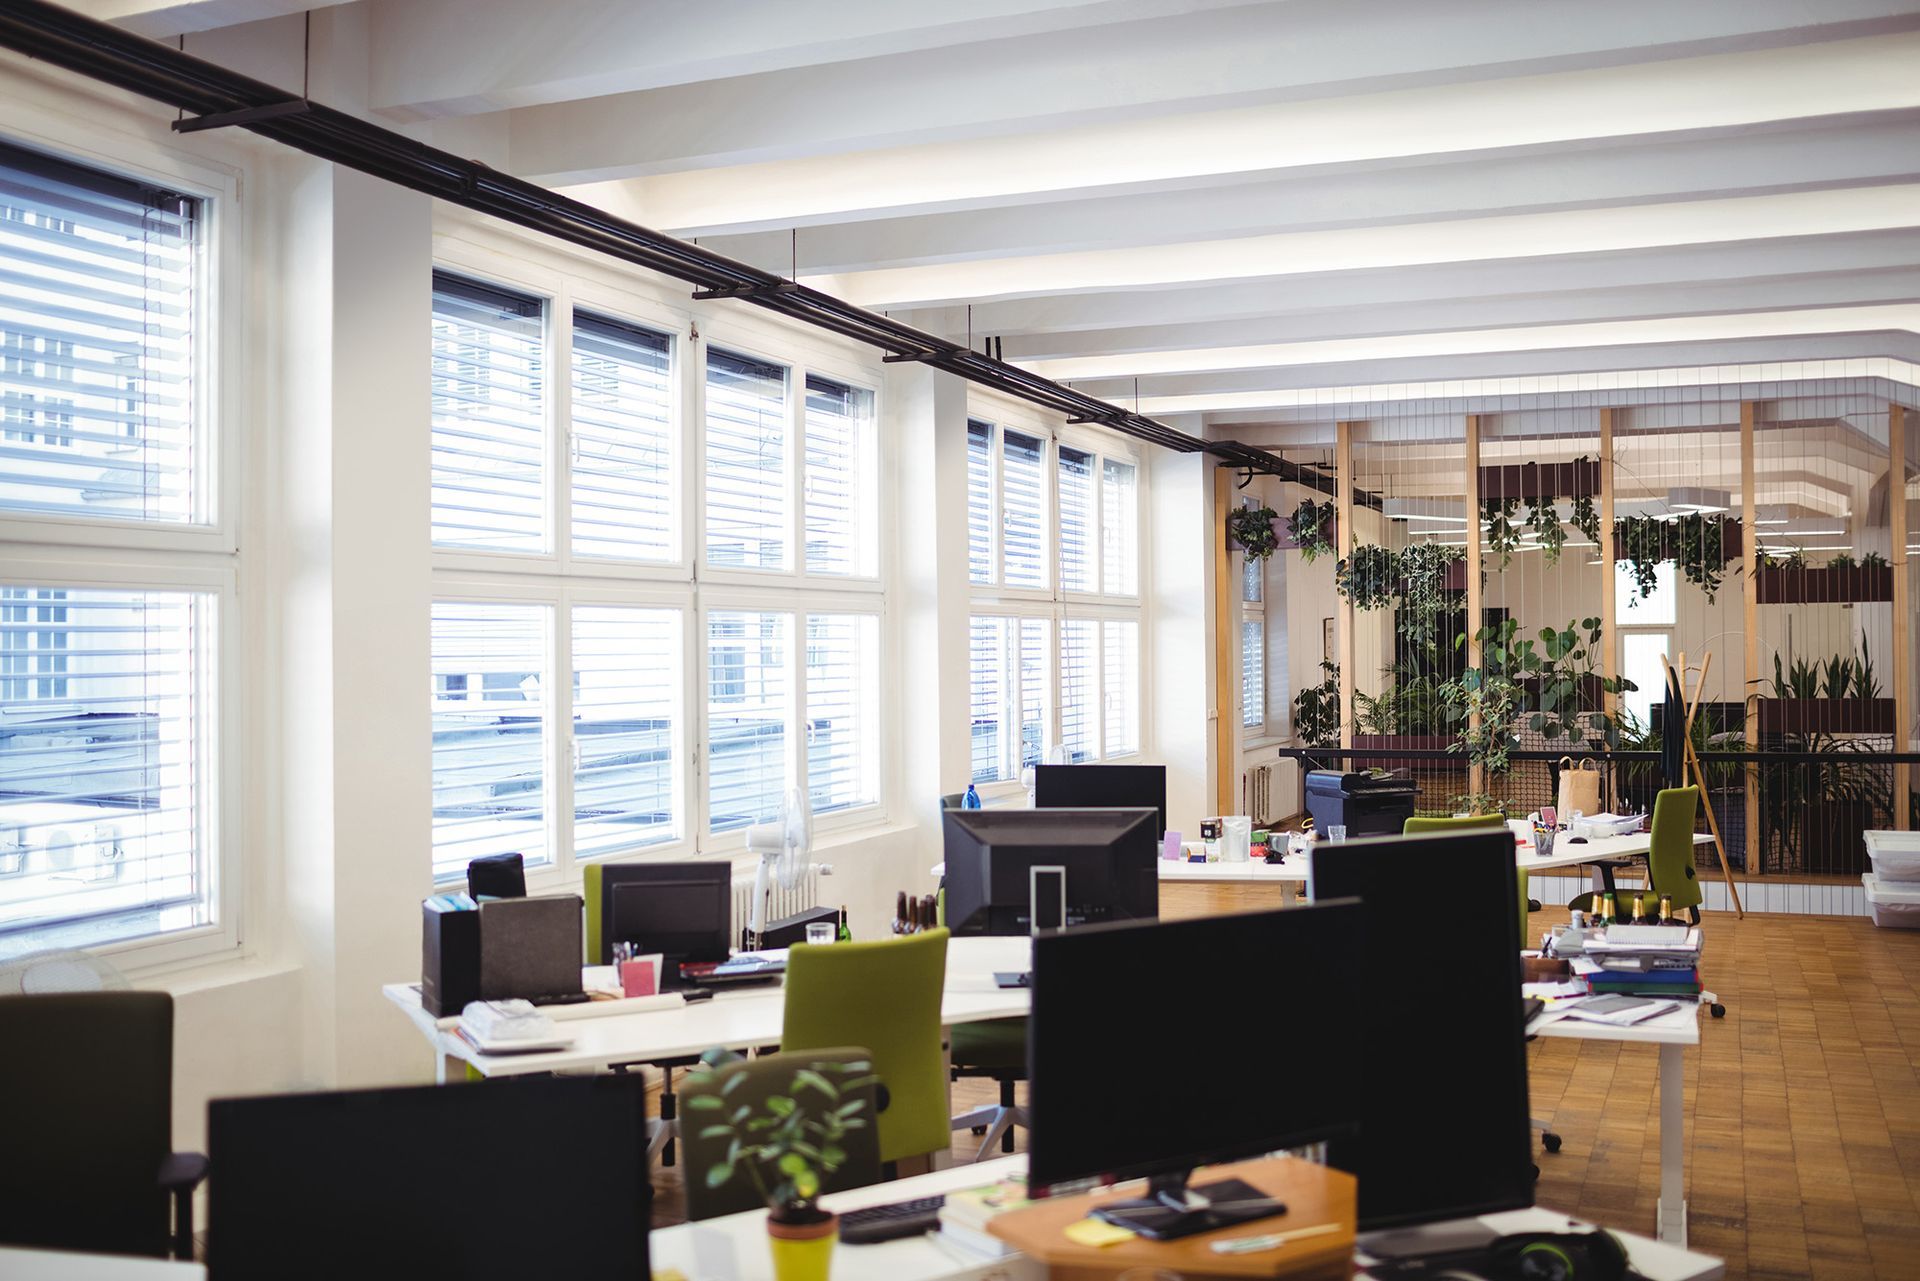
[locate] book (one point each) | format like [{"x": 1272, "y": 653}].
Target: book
[
  {"x": 975, "y": 1240},
  {"x": 975, "y": 1207}
]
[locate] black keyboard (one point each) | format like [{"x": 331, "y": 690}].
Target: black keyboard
[{"x": 891, "y": 1222}]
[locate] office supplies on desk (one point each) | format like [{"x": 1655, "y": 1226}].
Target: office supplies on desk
[
  {"x": 1098, "y": 1233},
  {"x": 1620, "y": 1010},
  {"x": 641, "y": 975},
  {"x": 530, "y": 949},
  {"x": 892, "y": 1221},
  {"x": 748, "y": 967},
  {"x": 1273, "y": 1240},
  {"x": 509, "y": 1027},
  {"x": 1170, "y": 847},
  {"x": 449, "y": 953}
]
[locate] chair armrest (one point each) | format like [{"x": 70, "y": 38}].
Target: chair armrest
[{"x": 180, "y": 1174}]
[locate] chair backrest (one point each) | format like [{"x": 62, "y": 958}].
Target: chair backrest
[
  {"x": 87, "y": 1079},
  {"x": 884, "y": 995},
  {"x": 1670, "y": 850},
  {"x": 590, "y": 892},
  {"x": 704, "y": 1148},
  {"x": 1521, "y": 874},
  {"x": 1460, "y": 823}
]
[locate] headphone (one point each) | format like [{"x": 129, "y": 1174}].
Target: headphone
[{"x": 1559, "y": 1256}]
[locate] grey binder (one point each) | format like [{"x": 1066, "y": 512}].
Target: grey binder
[{"x": 530, "y": 947}]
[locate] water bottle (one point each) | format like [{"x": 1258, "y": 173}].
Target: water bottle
[{"x": 972, "y": 799}]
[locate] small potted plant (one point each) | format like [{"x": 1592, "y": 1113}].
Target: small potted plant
[
  {"x": 788, "y": 1146},
  {"x": 1251, "y": 529}
]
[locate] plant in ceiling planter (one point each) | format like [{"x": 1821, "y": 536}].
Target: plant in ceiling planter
[
  {"x": 1252, "y": 529},
  {"x": 1496, "y": 517},
  {"x": 1874, "y": 560},
  {"x": 1586, "y": 519},
  {"x": 1316, "y": 710},
  {"x": 1544, "y": 519},
  {"x": 1424, "y": 598},
  {"x": 1637, "y": 540},
  {"x": 1701, "y": 550},
  {"x": 1310, "y": 528},
  {"x": 1369, "y": 578}
]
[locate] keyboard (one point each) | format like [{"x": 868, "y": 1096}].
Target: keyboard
[{"x": 891, "y": 1222}]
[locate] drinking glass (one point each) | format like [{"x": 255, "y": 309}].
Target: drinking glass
[{"x": 819, "y": 932}]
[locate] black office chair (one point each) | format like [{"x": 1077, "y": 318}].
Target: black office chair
[{"x": 88, "y": 1139}]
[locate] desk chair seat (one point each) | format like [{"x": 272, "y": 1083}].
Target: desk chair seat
[{"x": 995, "y": 1050}]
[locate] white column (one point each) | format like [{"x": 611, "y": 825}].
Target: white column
[{"x": 1180, "y": 688}]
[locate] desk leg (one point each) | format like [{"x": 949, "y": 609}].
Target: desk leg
[
  {"x": 1672, "y": 1217},
  {"x": 1289, "y": 893},
  {"x": 447, "y": 1067},
  {"x": 943, "y": 1159}
]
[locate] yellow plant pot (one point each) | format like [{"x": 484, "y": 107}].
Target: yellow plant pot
[{"x": 803, "y": 1251}]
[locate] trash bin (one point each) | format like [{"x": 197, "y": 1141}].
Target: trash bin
[{"x": 1367, "y": 805}]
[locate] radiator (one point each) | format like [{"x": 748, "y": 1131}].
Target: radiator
[
  {"x": 1256, "y": 794},
  {"x": 780, "y": 902}
]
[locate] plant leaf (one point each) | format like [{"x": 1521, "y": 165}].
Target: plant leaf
[
  {"x": 812, "y": 1079},
  {"x": 705, "y": 1103},
  {"x": 718, "y": 1174},
  {"x": 717, "y": 1132}
]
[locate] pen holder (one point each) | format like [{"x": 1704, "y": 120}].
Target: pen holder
[{"x": 1543, "y": 841}]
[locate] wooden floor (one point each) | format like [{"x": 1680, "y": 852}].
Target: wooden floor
[{"x": 1804, "y": 1104}]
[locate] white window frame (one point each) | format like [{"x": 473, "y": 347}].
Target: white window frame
[{"x": 201, "y": 556}]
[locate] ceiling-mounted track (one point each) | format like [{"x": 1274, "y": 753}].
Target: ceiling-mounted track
[{"x": 215, "y": 97}]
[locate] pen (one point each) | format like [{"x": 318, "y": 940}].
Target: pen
[{"x": 1248, "y": 1245}]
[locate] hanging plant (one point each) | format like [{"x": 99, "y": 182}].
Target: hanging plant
[
  {"x": 1702, "y": 550},
  {"x": 1636, "y": 540},
  {"x": 1586, "y": 519},
  {"x": 1544, "y": 519},
  {"x": 1252, "y": 528},
  {"x": 1310, "y": 527},
  {"x": 1370, "y": 578},
  {"x": 1423, "y": 589},
  {"x": 1872, "y": 560},
  {"x": 1497, "y": 515}
]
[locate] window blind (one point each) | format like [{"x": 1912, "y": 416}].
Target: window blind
[
  {"x": 98, "y": 289},
  {"x": 988, "y": 688},
  {"x": 979, "y": 501},
  {"x": 1252, "y": 580},
  {"x": 1253, "y": 674},
  {"x": 748, "y": 703},
  {"x": 837, "y": 426},
  {"x": 1034, "y": 660},
  {"x": 746, "y": 482},
  {"x": 490, "y": 714},
  {"x": 1079, "y": 715},
  {"x": 624, "y": 503},
  {"x": 1119, "y": 529},
  {"x": 1023, "y": 511},
  {"x": 1075, "y": 472},
  {"x": 842, "y": 652},
  {"x": 626, "y": 697},
  {"x": 489, "y": 417},
  {"x": 1120, "y": 686},
  {"x": 102, "y": 765}
]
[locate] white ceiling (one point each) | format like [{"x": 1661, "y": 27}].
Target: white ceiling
[{"x": 1207, "y": 203}]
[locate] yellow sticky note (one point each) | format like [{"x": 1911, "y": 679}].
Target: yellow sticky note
[
  {"x": 669, "y": 1274},
  {"x": 1097, "y": 1232}
]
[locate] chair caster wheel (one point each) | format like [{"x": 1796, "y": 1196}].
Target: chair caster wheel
[
  {"x": 979, "y": 1131},
  {"x": 1718, "y": 1010},
  {"x": 1551, "y": 1142}
]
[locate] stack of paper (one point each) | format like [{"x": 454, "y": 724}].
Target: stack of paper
[
  {"x": 1642, "y": 960},
  {"x": 508, "y": 1027},
  {"x": 964, "y": 1217}
]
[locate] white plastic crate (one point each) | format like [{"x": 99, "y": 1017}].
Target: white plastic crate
[
  {"x": 1894, "y": 907},
  {"x": 1895, "y": 855}
]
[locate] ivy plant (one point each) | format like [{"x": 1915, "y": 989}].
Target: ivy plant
[
  {"x": 1586, "y": 519},
  {"x": 1310, "y": 527},
  {"x": 1702, "y": 550},
  {"x": 1497, "y": 514},
  {"x": 1423, "y": 589},
  {"x": 1369, "y": 578},
  {"x": 1316, "y": 709},
  {"x": 1637, "y": 541},
  {"x": 1252, "y": 528},
  {"x": 1544, "y": 519}
]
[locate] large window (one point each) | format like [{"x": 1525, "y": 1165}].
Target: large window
[
  {"x": 1053, "y": 562},
  {"x": 111, "y": 650},
  {"x": 592, "y": 697}
]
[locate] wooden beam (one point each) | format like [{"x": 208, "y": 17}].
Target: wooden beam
[
  {"x": 1750, "y": 627},
  {"x": 1343, "y": 536},
  {"x": 1470, "y": 486},
  {"x": 1609, "y": 622},
  {"x": 1902, "y": 611},
  {"x": 1225, "y": 691}
]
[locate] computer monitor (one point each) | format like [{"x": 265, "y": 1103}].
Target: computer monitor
[
  {"x": 1079, "y": 787},
  {"x": 1443, "y": 1127},
  {"x": 682, "y": 910},
  {"x": 1155, "y": 1048},
  {"x": 1109, "y": 856},
  {"x": 537, "y": 1177}
]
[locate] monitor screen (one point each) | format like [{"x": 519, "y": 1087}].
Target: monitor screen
[
  {"x": 1110, "y": 857},
  {"x": 1459, "y": 1144},
  {"x": 1159, "y": 1047},
  {"x": 1080, "y": 787},
  {"x": 497, "y": 1180},
  {"x": 684, "y": 910}
]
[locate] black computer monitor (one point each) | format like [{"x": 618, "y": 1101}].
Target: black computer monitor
[
  {"x": 1443, "y": 1128},
  {"x": 497, "y": 1180},
  {"x": 1079, "y": 787},
  {"x": 1155, "y": 1048},
  {"x": 682, "y": 910},
  {"x": 1110, "y": 857}
]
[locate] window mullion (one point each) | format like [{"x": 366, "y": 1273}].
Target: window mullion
[
  {"x": 566, "y": 742},
  {"x": 560, "y": 443}
]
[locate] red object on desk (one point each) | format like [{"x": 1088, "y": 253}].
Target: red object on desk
[{"x": 640, "y": 978}]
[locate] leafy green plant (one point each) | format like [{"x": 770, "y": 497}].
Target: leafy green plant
[
  {"x": 1252, "y": 528},
  {"x": 1800, "y": 679},
  {"x": 1795, "y": 559},
  {"x": 1552, "y": 675},
  {"x": 1496, "y": 518},
  {"x": 1369, "y": 578},
  {"x": 1479, "y": 803},
  {"x": 1841, "y": 560},
  {"x": 1585, "y": 518},
  {"x": 1310, "y": 528},
  {"x": 1874, "y": 560},
  {"x": 1422, "y": 588},
  {"x": 1412, "y": 704},
  {"x": 1544, "y": 519},
  {"x": 1702, "y": 549},
  {"x": 793, "y": 1143},
  {"x": 1637, "y": 541},
  {"x": 1484, "y": 700},
  {"x": 1316, "y": 709},
  {"x": 1699, "y": 546}
]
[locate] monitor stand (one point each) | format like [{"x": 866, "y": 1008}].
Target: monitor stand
[{"x": 1171, "y": 1209}]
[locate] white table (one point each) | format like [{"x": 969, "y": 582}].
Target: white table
[
  {"x": 17, "y": 1264},
  {"x": 734, "y": 1247},
  {"x": 1598, "y": 851},
  {"x": 737, "y": 1020},
  {"x": 1672, "y": 1032}
]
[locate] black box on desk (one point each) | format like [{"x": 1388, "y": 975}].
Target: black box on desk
[
  {"x": 449, "y": 957},
  {"x": 789, "y": 930},
  {"x": 530, "y": 947}
]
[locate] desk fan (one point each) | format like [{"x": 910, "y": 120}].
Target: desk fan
[{"x": 782, "y": 846}]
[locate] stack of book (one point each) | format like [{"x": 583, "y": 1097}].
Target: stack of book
[
  {"x": 1643, "y": 960},
  {"x": 964, "y": 1217}
]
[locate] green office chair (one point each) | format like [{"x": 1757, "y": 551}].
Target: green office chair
[
  {"x": 884, "y": 995},
  {"x": 1670, "y": 853},
  {"x": 707, "y": 1146},
  {"x": 88, "y": 1139},
  {"x": 995, "y": 1050},
  {"x": 1466, "y": 823}
]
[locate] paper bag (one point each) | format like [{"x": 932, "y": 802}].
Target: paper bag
[{"x": 1579, "y": 788}]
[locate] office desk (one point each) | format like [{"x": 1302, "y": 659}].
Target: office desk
[
  {"x": 1599, "y": 852},
  {"x": 734, "y": 1247},
  {"x": 60, "y": 1265},
  {"x": 1672, "y": 1033},
  {"x": 737, "y": 1020}
]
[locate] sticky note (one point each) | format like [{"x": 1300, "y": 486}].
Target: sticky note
[
  {"x": 1097, "y": 1233},
  {"x": 641, "y": 977}
]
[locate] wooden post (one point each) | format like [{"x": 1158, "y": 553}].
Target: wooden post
[
  {"x": 1343, "y": 523},
  {"x": 1902, "y": 611},
  {"x": 1470, "y": 486},
  {"x": 1225, "y": 691},
  {"x": 1750, "y": 670},
  {"x": 1690, "y": 702},
  {"x": 1609, "y": 621}
]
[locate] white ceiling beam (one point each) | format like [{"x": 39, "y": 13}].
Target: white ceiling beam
[
  {"x": 457, "y": 57},
  {"x": 159, "y": 19},
  {"x": 1717, "y": 92}
]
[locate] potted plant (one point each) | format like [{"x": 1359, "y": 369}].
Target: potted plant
[
  {"x": 1310, "y": 529},
  {"x": 1427, "y": 580},
  {"x": 1370, "y": 577},
  {"x": 1789, "y": 580},
  {"x": 787, "y": 1147},
  {"x": 1251, "y": 530},
  {"x": 1316, "y": 715}
]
